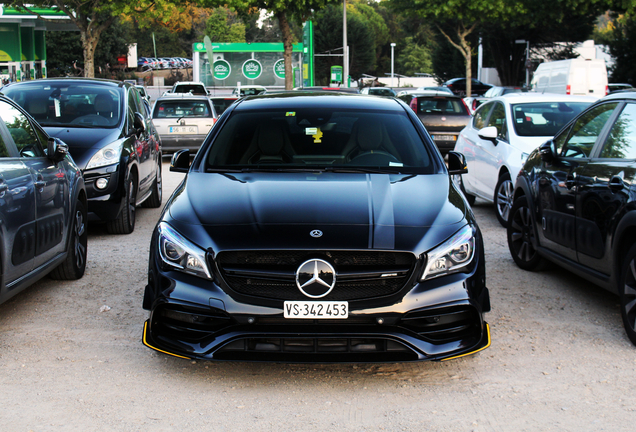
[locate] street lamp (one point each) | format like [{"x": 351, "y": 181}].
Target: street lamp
[{"x": 392, "y": 62}]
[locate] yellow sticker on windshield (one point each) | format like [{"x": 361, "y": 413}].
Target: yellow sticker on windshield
[
  {"x": 290, "y": 114},
  {"x": 317, "y": 136}
]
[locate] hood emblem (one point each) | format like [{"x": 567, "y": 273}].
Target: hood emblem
[
  {"x": 316, "y": 233},
  {"x": 315, "y": 278}
]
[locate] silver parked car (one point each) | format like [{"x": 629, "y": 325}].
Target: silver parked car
[{"x": 183, "y": 120}]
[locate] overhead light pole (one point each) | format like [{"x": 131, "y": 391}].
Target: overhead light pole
[
  {"x": 345, "y": 48},
  {"x": 392, "y": 62}
]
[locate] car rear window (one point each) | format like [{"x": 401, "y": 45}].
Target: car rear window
[
  {"x": 190, "y": 88},
  {"x": 310, "y": 137},
  {"x": 544, "y": 118},
  {"x": 441, "y": 105},
  {"x": 181, "y": 108}
]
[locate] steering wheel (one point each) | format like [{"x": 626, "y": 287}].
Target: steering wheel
[
  {"x": 375, "y": 157},
  {"x": 91, "y": 120}
]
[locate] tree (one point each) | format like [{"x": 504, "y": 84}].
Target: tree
[
  {"x": 284, "y": 11},
  {"x": 93, "y": 17},
  {"x": 328, "y": 36},
  {"x": 463, "y": 16},
  {"x": 224, "y": 26},
  {"x": 621, "y": 46}
]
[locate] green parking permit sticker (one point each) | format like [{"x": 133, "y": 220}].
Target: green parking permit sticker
[{"x": 290, "y": 114}]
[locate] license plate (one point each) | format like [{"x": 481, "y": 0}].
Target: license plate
[
  {"x": 444, "y": 138},
  {"x": 184, "y": 129},
  {"x": 316, "y": 310}
]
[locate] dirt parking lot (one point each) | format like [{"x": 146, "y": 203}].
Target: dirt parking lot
[{"x": 71, "y": 359}]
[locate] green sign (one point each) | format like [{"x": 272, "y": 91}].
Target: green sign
[
  {"x": 222, "y": 69},
  {"x": 252, "y": 69},
  {"x": 336, "y": 74},
  {"x": 279, "y": 69}
]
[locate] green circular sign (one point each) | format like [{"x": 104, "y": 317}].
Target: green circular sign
[
  {"x": 252, "y": 69},
  {"x": 222, "y": 69},
  {"x": 279, "y": 69}
]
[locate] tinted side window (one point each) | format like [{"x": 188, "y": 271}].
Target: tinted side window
[
  {"x": 23, "y": 134},
  {"x": 621, "y": 142},
  {"x": 498, "y": 120},
  {"x": 586, "y": 130},
  {"x": 479, "y": 119}
]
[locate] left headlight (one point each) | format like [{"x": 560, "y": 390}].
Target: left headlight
[
  {"x": 107, "y": 156},
  {"x": 178, "y": 252},
  {"x": 452, "y": 255}
]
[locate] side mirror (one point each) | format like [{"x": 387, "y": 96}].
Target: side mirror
[
  {"x": 456, "y": 163},
  {"x": 56, "y": 149},
  {"x": 489, "y": 133},
  {"x": 139, "y": 123},
  {"x": 547, "y": 151},
  {"x": 180, "y": 161}
]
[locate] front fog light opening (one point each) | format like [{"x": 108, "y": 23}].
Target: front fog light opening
[{"x": 101, "y": 183}]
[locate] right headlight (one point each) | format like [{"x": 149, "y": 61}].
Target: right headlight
[
  {"x": 452, "y": 255},
  {"x": 181, "y": 254}
]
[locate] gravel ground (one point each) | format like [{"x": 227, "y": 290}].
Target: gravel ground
[{"x": 559, "y": 361}]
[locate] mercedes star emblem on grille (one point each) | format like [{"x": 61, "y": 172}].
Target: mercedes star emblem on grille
[
  {"x": 316, "y": 233},
  {"x": 315, "y": 278}
]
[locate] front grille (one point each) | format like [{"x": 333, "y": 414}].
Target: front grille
[
  {"x": 319, "y": 349},
  {"x": 359, "y": 275}
]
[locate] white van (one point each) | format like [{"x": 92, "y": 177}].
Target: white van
[{"x": 573, "y": 77}]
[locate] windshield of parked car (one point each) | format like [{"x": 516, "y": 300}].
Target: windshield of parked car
[
  {"x": 181, "y": 108},
  {"x": 69, "y": 104},
  {"x": 324, "y": 139},
  {"x": 441, "y": 105},
  {"x": 544, "y": 118}
]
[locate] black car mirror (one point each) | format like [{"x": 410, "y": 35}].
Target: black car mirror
[
  {"x": 547, "y": 151},
  {"x": 456, "y": 163},
  {"x": 489, "y": 133},
  {"x": 139, "y": 123},
  {"x": 56, "y": 149},
  {"x": 180, "y": 161}
]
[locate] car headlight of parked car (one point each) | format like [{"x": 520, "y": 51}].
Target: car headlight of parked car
[
  {"x": 181, "y": 254},
  {"x": 451, "y": 256},
  {"x": 106, "y": 156}
]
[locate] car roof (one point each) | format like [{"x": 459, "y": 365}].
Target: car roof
[
  {"x": 625, "y": 94},
  {"x": 173, "y": 96},
  {"x": 542, "y": 97},
  {"x": 78, "y": 80},
  {"x": 424, "y": 93},
  {"x": 318, "y": 100},
  {"x": 189, "y": 83}
]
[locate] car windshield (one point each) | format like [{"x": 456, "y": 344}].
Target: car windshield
[
  {"x": 69, "y": 104},
  {"x": 441, "y": 105},
  {"x": 181, "y": 108},
  {"x": 323, "y": 139},
  {"x": 544, "y": 118}
]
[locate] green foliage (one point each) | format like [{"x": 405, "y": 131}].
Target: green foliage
[
  {"x": 414, "y": 58},
  {"x": 224, "y": 26},
  {"x": 328, "y": 37},
  {"x": 621, "y": 47}
]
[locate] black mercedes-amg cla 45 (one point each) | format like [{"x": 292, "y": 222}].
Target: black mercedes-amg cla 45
[{"x": 317, "y": 228}]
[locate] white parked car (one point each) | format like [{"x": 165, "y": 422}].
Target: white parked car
[{"x": 500, "y": 137}]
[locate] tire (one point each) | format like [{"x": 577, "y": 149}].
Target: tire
[
  {"x": 74, "y": 265},
  {"x": 125, "y": 222},
  {"x": 520, "y": 234},
  {"x": 154, "y": 200},
  {"x": 457, "y": 179},
  {"x": 504, "y": 192},
  {"x": 627, "y": 293}
]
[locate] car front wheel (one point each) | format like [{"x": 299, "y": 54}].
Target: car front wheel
[
  {"x": 74, "y": 265},
  {"x": 125, "y": 222},
  {"x": 627, "y": 292},
  {"x": 521, "y": 236},
  {"x": 503, "y": 198}
]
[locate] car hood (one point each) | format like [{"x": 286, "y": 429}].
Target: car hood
[
  {"x": 353, "y": 211},
  {"x": 84, "y": 142}
]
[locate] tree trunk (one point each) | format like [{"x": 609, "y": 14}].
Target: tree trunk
[
  {"x": 89, "y": 43},
  {"x": 467, "y": 51},
  {"x": 287, "y": 53}
]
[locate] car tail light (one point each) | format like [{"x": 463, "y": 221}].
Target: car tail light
[
  {"x": 413, "y": 104},
  {"x": 466, "y": 106},
  {"x": 606, "y": 90},
  {"x": 568, "y": 89}
]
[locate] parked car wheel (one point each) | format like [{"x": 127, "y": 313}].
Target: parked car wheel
[
  {"x": 74, "y": 265},
  {"x": 154, "y": 200},
  {"x": 457, "y": 179},
  {"x": 125, "y": 222},
  {"x": 503, "y": 198},
  {"x": 627, "y": 292},
  {"x": 520, "y": 237}
]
